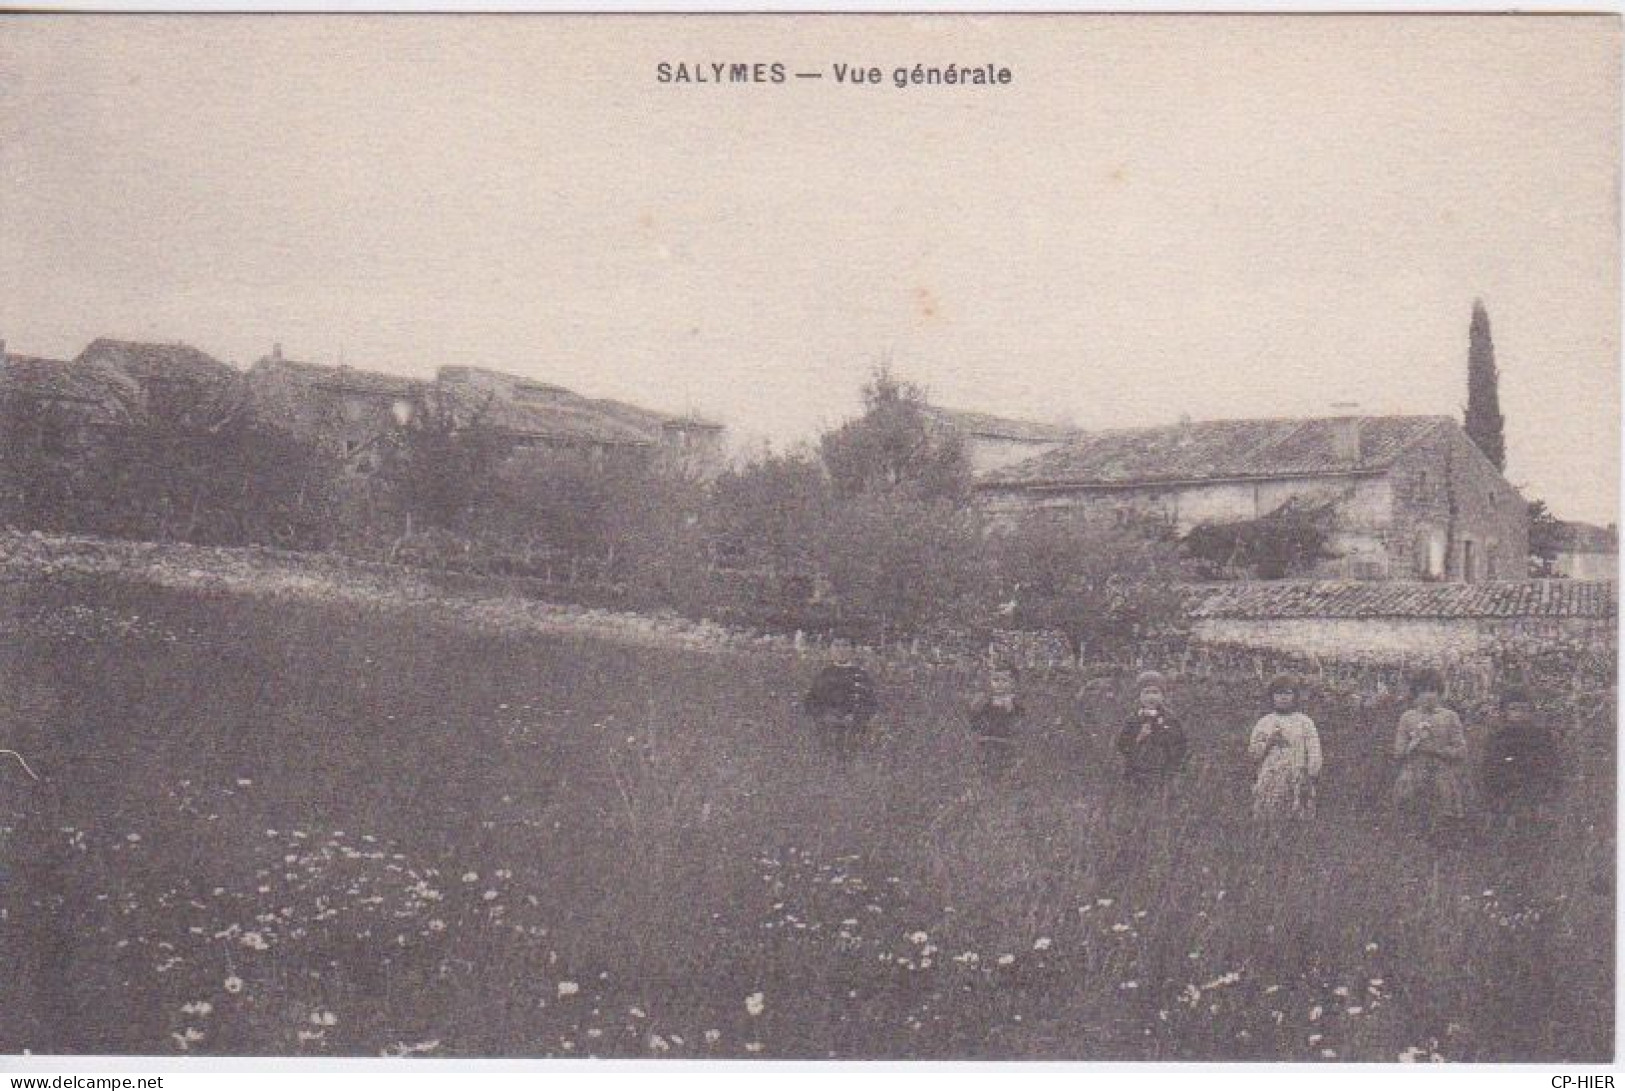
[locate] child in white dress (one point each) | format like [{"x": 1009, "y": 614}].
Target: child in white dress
[{"x": 1287, "y": 746}]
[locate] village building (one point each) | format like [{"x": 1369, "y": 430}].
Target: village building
[
  {"x": 176, "y": 381},
  {"x": 60, "y": 407},
  {"x": 1586, "y": 552},
  {"x": 543, "y": 418},
  {"x": 992, "y": 443},
  {"x": 344, "y": 412},
  {"x": 1411, "y": 497}
]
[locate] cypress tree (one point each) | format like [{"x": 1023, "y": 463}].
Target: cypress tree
[{"x": 1485, "y": 426}]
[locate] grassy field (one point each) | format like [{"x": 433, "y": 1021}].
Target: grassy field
[{"x": 322, "y": 830}]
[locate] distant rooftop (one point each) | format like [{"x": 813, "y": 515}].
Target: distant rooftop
[
  {"x": 1385, "y": 599},
  {"x": 1219, "y": 450},
  {"x": 992, "y": 427}
]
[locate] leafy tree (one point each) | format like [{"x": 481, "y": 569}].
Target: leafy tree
[
  {"x": 766, "y": 515},
  {"x": 894, "y": 447},
  {"x": 1484, "y": 423},
  {"x": 441, "y": 469},
  {"x": 898, "y": 565},
  {"x": 1103, "y": 586},
  {"x": 1288, "y": 541}
]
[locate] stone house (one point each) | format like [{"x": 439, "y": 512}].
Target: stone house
[
  {"x": 1412, "y": 498},
  {"x": 1586, "y": 552},
  {"x": 992, "y": 443},
  {"x": 176, "y": 381},
  {"x": 346, "y": 412},
  {"x": 544, "y": 418},
  {"x": 59, "y": 407},
  {"x": 1404, "y": 622}
]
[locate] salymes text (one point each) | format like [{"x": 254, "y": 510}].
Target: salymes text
[{"x": 902, "y": 77}]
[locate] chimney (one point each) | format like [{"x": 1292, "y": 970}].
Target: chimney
[
  {"x": 1346, "y": 434},
  {"x": 276, "y": 351},
  {"x": 2, "y": 348}
]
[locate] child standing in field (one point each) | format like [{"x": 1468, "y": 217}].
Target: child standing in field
[
  {"x": 1152, "y": 742},
  {"x": 1431, "y": 747},
  {"x": 994, "y": 717},
  {"x": 1521, "y": 763},
  {"x": 841, "y": 700},
  {"x": 1287, "y": 746}
]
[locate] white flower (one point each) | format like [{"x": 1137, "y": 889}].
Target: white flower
[
  {"x": 254, "y": 940},
  {"x": 234, "y": 984},
  {"x": 1315, "y": 1013},
  {"x": 471, "y": 877},
  {"x": 324, "y": 1018},
  {"x": 713, "y": 1036},
  {"x": 753, "y": 1047},
  {"x": 1005, "y": 960},
  {"x": 657, "y": 1043},
  {"x": 197, "y": 1007},
  {"x": 754, "y": 1003},
  {"x": 568, "y": 988},
  {"x": 1042, "y": 943}
]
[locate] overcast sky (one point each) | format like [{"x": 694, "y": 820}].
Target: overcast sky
[{"x": 1217, "y": 216}]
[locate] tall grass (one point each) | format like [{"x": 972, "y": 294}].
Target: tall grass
[{"x": 449, "y": 842}]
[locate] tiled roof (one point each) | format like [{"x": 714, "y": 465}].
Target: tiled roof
[
  {"x": 572, "y": 420},
  {"x": 1373, "y": 599},
  {"x": 106, "y": 395},
  {"x": 1217, "y": 450},
  {"x": 986, "y": 424},
  {"x": 342, "y": 378},
  {"x": 147, "y": 361}
]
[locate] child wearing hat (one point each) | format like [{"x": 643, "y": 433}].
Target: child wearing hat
[
  {"x": 1431, "y": 747},
  {"x": 1152, "y": 742},
  {"x": 1287, "y": 747},
  {"x": 1521, "y": 761}
]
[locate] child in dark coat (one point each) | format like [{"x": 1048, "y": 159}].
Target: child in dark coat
[
  {"x": 994, "y": 718},
  {"x": 841, "y": 699},
  {"x": 1521, "y": 762},
  {"x": 1152, "y": 742}
]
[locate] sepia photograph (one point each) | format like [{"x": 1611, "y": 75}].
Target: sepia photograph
[{"x": 809, "y": 537}]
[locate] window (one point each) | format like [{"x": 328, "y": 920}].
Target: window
[
  {"x": 1469, "y": 561},
  {"x": 1428, "y": 560}
]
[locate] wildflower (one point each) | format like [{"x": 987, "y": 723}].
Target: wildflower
[
  {"x": 657, "y": 1043},
  {"x": 1005, "y": 960},
  {"x": 753, "y": 1047},
  {"x": 254, "y": 941},
  {"x": 471, "y": 877},
  {"x": 917, "y": 937},
  {"x": 197, "y": 1007},
  {"x": 568, "y": 988},
  {"x": 490, "y": 895},
  {"x": 1042, "y": 943},
  {"x": 754, "y": 1003},
  {"x": 324, "y": 1018},
  {"x": 637, "y": 1013},
  {"x": 437, "y": 925},
  {"x": 1371, "y": 948},
  {"x": 1341, "y": 990},
  {"x": 713, "y": 1036},
  {"x": 1329, "y": 1054},
  {"x": 132, "y": 838},
  {"x": 1130, "y": 985},
  {"x": 1315, "y": 1014},
  {"x": 1119, "y": 927},
  {"x": 1356, "y": 1010},
  {"x": 1104, "y": 903},
  {"x": 1315, "y": 1038},
  {"x": 233, "y": 984}
]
